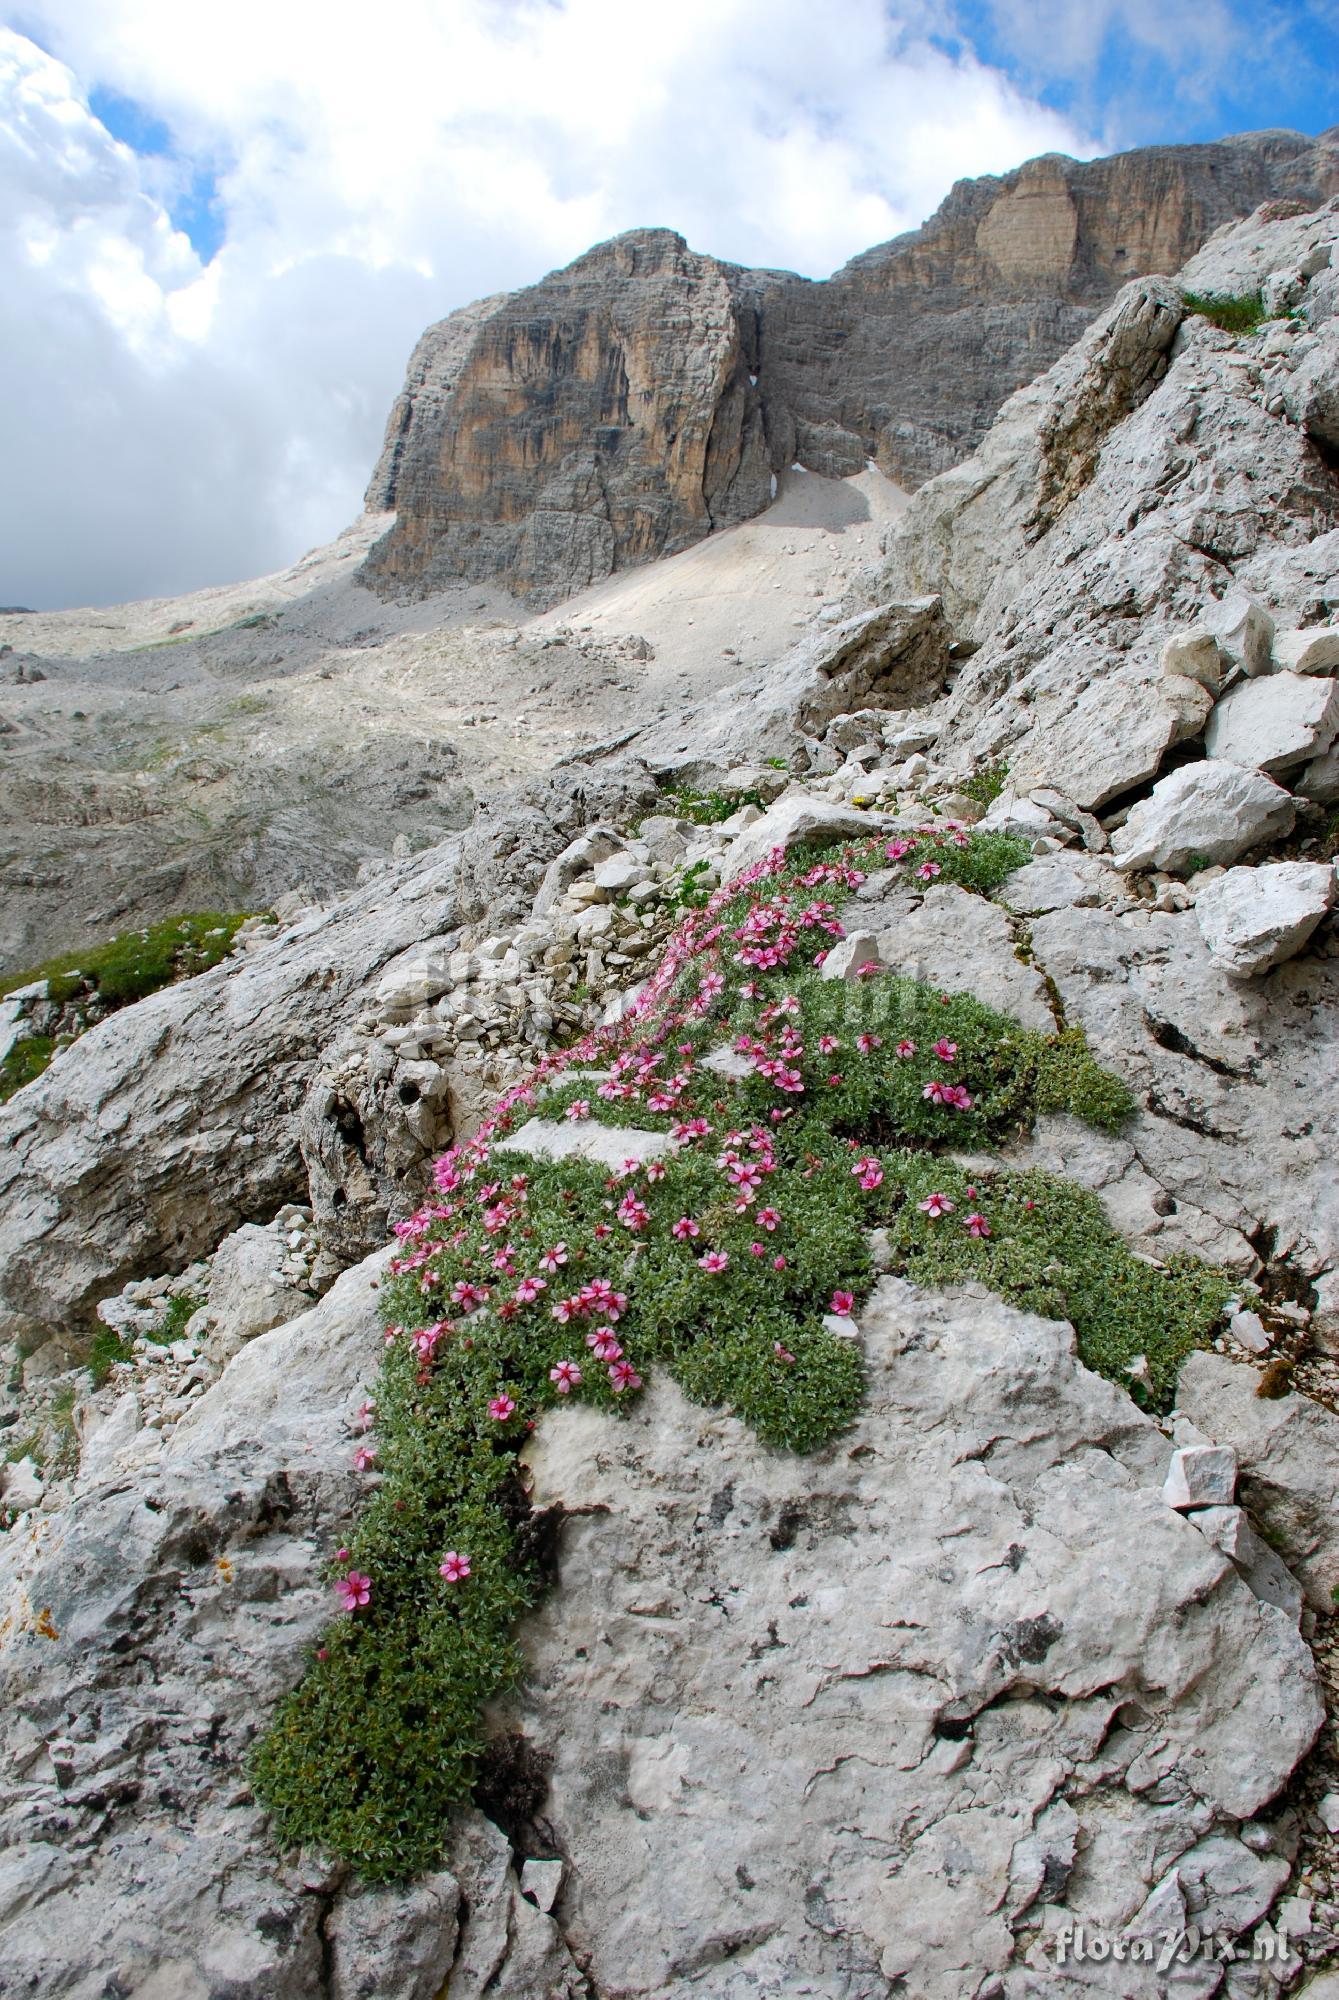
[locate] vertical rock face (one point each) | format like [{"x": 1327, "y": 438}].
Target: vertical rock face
[
  {"x": 624, "y": 407},
  {"x": 607, "y": 416}
]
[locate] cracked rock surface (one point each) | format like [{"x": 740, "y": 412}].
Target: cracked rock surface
[{"x": 969, "y": 1679}]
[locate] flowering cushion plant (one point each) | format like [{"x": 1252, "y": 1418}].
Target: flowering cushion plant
[{"x": 525, "y": 1283}]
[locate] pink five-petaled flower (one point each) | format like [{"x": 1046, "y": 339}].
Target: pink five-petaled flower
[
  {"x": 364, "y": 1457},
  {"x": 976, "y": 1225},
  {"x": 841, "y": 1303},
  {"x": 960, "y": 1099},
  {"x": 714, "y": 1262},
  {"x": 928, "y": 870},
  {"x": 454, "y": 1566},
  {"x": 936, "y": 1204},
  {"x": 945, "y": 1050},
  {"x": 897, "y": 850},
  {"x": 828, "y": 1044},
  {"x": 685, "y": 1228},
  {"x": 529, "y": 1290},
  {"x": 552, "y": 1260},
  {"x": 501, "y": 1408},
  {"x": 622, "y": 1375},
  {"x": 868, "y": 1043},
  {"x": 782, "y": 1353},
  {"x": 565, "y": 1377},
  {"x": 870, "y": 969},
  {"x": 577, "y": 1110},
  {"x": 938, "y": 1093},
  {"x": 868, "y": 1172},
  {"x": 768, "y": 1218},
  {"x": 354, "y": 1590},
  {"x": 366, "y": 1416},
  {"x": 905, "y": 1049},
  {"x": 602, "y": 1344}
]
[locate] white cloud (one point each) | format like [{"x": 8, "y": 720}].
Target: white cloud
[{"x": 175, "y": 426}]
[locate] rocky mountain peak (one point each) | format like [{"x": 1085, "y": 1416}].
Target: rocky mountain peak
[{"x": 627, "y": 405}]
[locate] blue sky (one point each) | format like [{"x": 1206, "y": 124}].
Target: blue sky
[
  {"x": 223, "y": 226},
  {"x": 1144, "y": 74}
]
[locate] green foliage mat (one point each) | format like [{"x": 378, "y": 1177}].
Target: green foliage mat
[
  {"x": 798, "y": 1115},
  {"x": 121, "y": 969}
]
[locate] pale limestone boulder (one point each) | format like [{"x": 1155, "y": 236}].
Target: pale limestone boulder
[
  {"x": 797, "y": 819},
  {"x": 1213, "y": 810},
  {"x": 1287, "y": 1449},
  {"x": 1314, "y": 651},
  {"x": 1244, "y": 632},
  {"x": 1319, "y": 780},
  {"x": 245, "y": 1299},
  {"x": 1275, "y": 723},
  {"x": 1201, "y": 1476},
  {"x": 1254, "y": 918},
  {"x": 956, "y": 942},
  {"x": 1194, "y": 655},
  {"x": 847, "y": 956}
]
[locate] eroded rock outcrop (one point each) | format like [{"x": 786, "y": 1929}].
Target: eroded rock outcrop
[{"x": 626, "y": 405}]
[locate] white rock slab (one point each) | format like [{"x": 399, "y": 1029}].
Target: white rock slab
[
  {"x": 584, "y": 1139},
  {"x": 1203, "y": 1475},
  {"x": 1275, "y": 723},
  {"x": 1213, "y": 810},
  {"x": 1315, "y": 651},
  {"x": 1254, "y": 918}
]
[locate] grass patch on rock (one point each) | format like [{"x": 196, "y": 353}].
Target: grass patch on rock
[
  {"x": 135, "y": 963},
  {"x": 1240, "y": 312},
  {"x": 797, "y": 1115}
]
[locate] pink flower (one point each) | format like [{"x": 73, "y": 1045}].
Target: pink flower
[
  {"x": 529, "y": 1290},
  {"x": 928, "y": 870},
  {"x": 868, "y": 1043},
  {"x": 565, "y": 1377},
  {"x": 768, "y": 1218},
  {"x": 554, "y": 1259},
  {"x": 469, "y": 1297},
  {"x": 600, "y": 1340},
  {"x": 841, "y": 1303},
  {"x": 354, "y": 1590},
  {"x": 976, "y": 1224},
  {"x": 714, "y": 1262},
  {"x": 960, "y": 1099},
  {"x": 364, "y": 1457},
  {"x": 578, "y": 1110},
  {"x": 623, "y": 1376},
  {"x": 869, "y": 970},
  {"x": 868, "y": 1172},
  {"x": 828, "y": 1044},
  {"x": 656, "y": 1170},
  {"x": 633, "y": 1214},
  {"x": 944, "y": 1049},
  {"x": 343, "y": 1555},
  {"x": 778, "y": 1263},
  {"x": 782, "y": 1353},
  {"x": 937, "y": 1093},
  {"x": 366, "y": 1416},
  {"x": 897, "y": 850},
  {"x": 684, "y": 1228},
  {"x": 501, "y": 1408},
  {"x": 936, "y": 1205},
  {"x": 905, "y": 1049},
  {"x": 454, "y": 1566}
]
